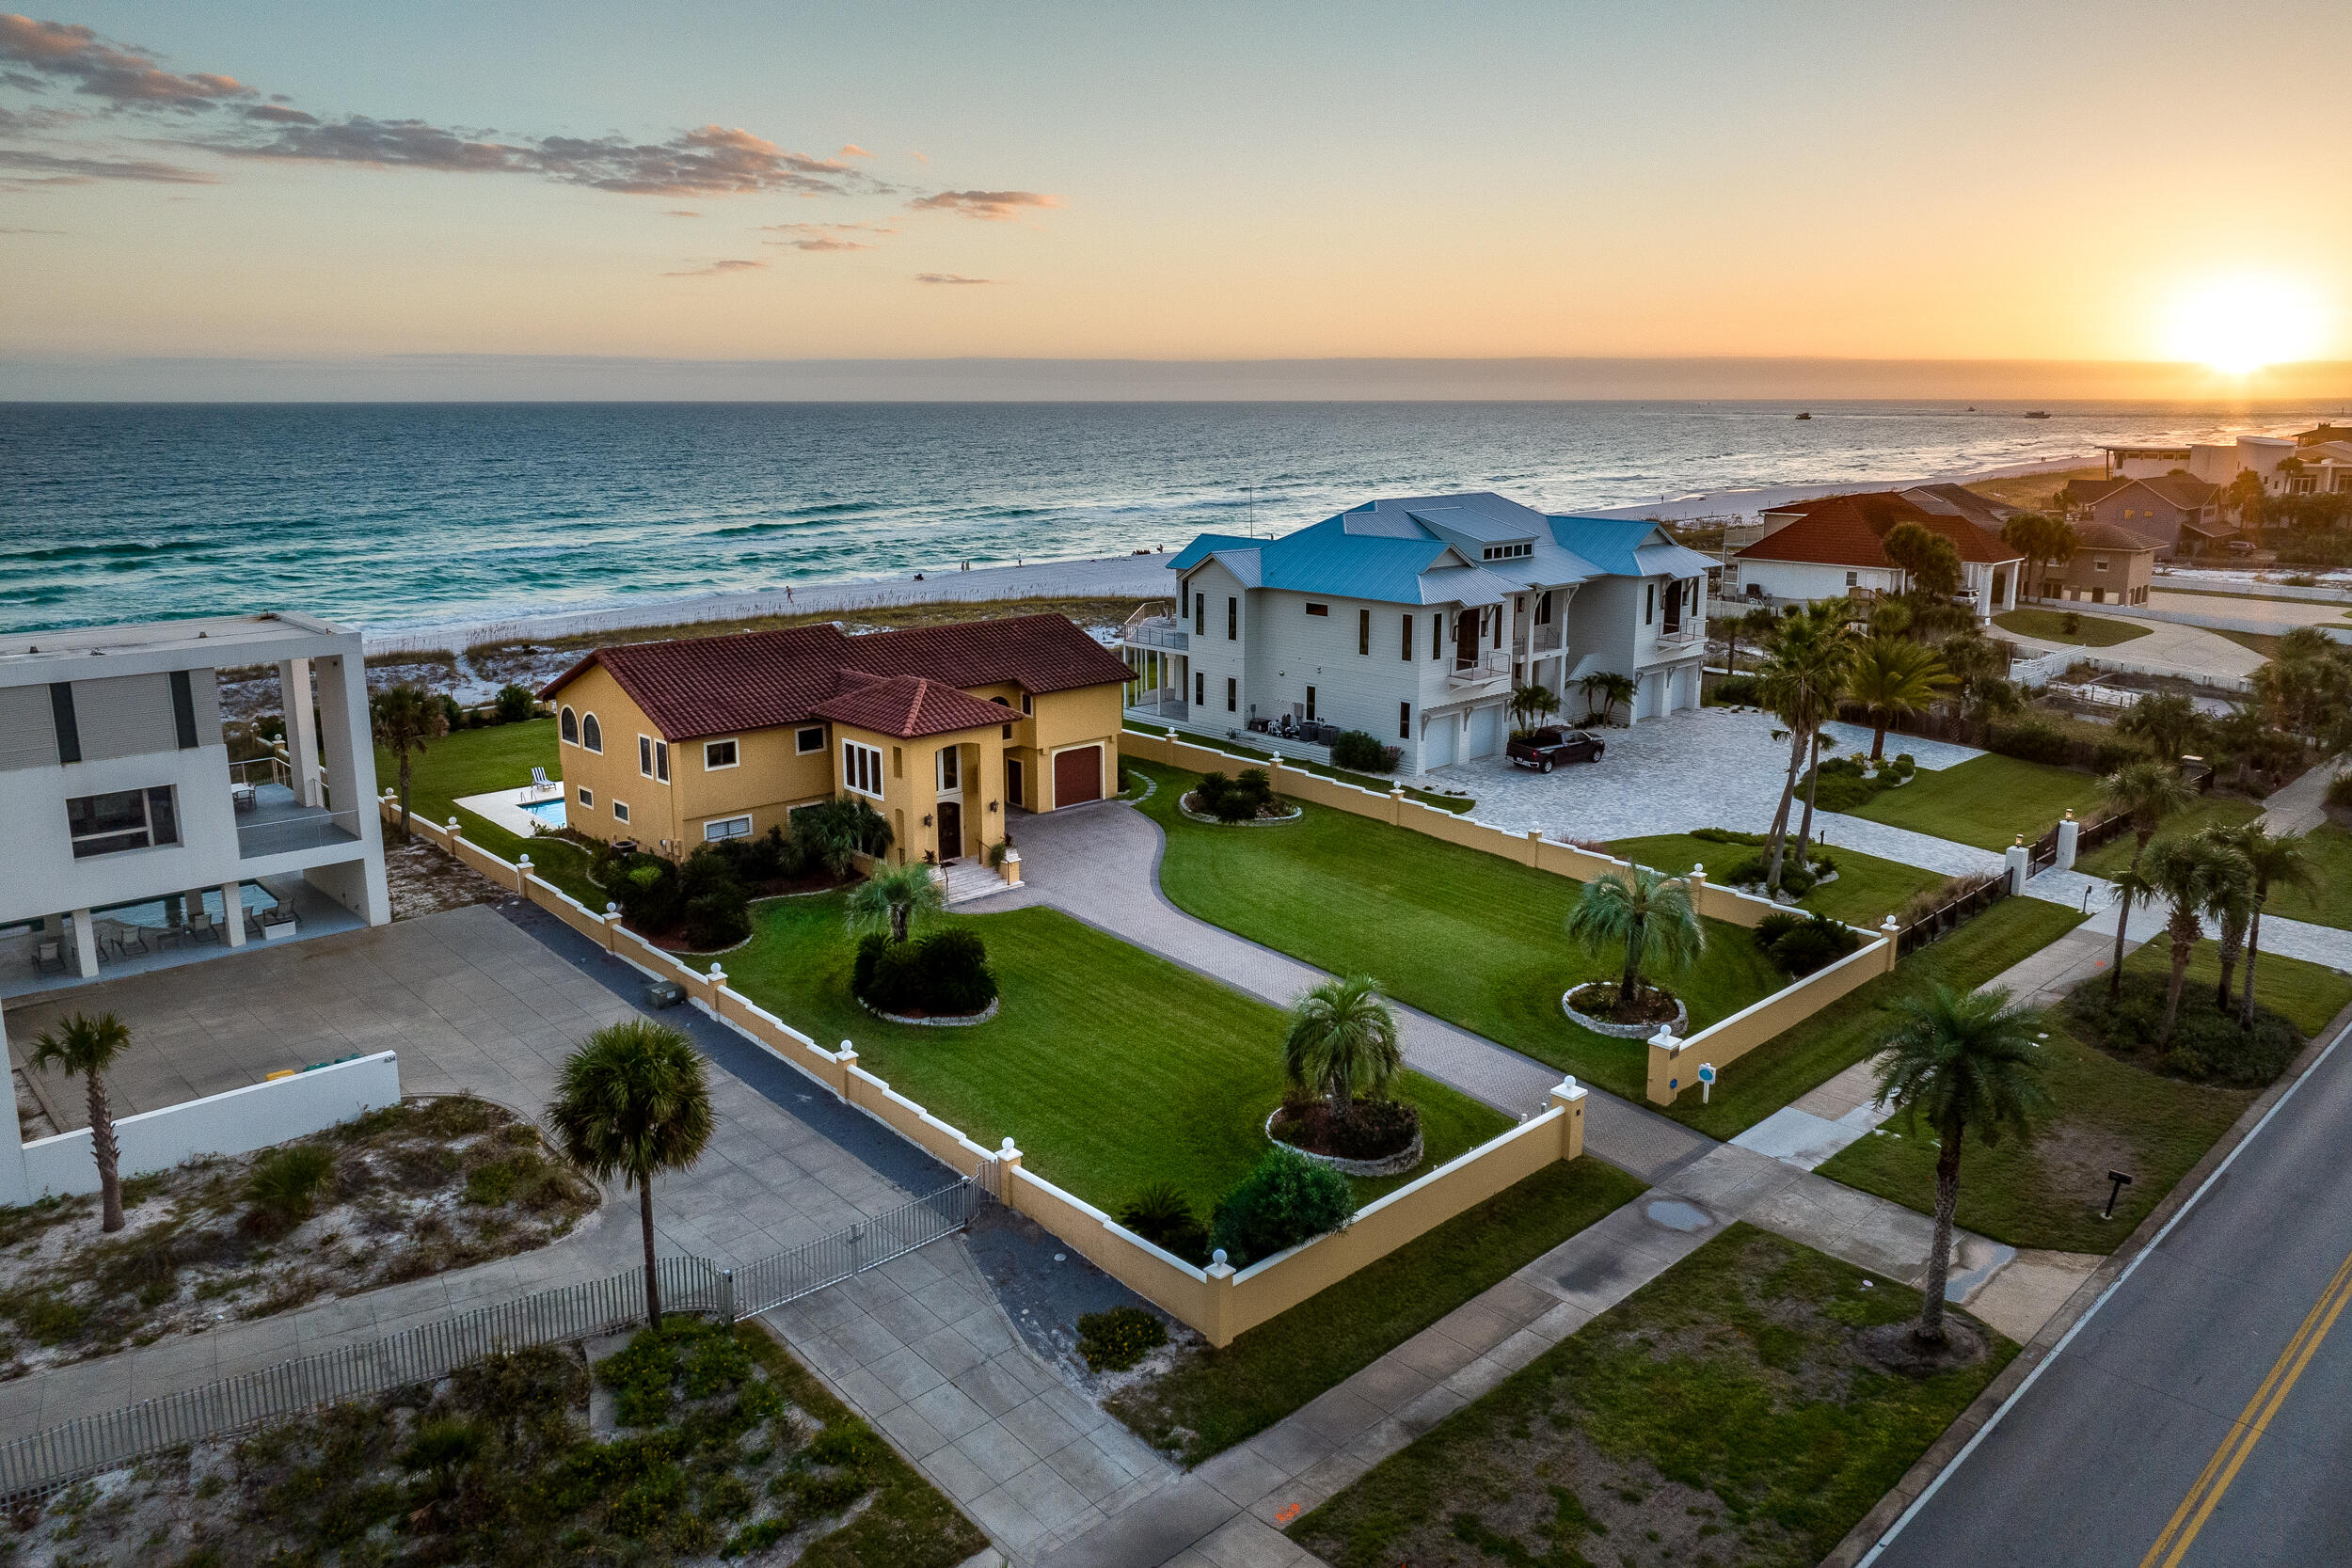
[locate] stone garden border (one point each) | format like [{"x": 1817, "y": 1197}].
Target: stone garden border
[
  {"x": 1623, "y": 1031},
  {"x": 1393, "y": 1164}
]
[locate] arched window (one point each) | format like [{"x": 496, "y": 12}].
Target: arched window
[
  {"x": 591, "y": 733},
  {"x": 568, "y": 725}
]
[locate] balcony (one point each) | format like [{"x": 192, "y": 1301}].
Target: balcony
[
  {"x": 271, "y": 821},
  {"x": 1159, "y": 632},
  {"x": 1163, "y": 705},
  {"x": 1491, "y": 666}
]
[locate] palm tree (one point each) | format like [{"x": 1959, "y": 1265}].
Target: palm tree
[
  {"x": 2235, "y": 911},
  {"x": 2132, "y": 887},
  {"x": 1653, "y": 917},
  {"x": 2168, "y": 723},
  {"x": 2198, "y": 876},
  {"x": 1603, "y": 690},
  {"x": 2146, "y": 792},
  {"x": 633, "y": 1102},
  {"x": 406, "y": 719},
  {"x": 1961, "y": 1061},
  {"x": 1531, "y": 702},
  {"x": 1342, "y": 1042},
  {"x": 2281, "y": 860},
  {"x": 1801, "y": 679},
  {"x": 89, "y": 1045},
  {"x": 2041, "y": 539},
  {"x": 893, "y": 897},
  {"x": 1893, "y": 677}
]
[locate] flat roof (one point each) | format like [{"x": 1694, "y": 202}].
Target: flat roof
[
  {"x": 222, "y": 640},
  {"x": 2150, "y": 451}
]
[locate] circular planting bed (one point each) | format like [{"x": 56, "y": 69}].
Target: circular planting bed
[
  {"x": 1594, "y": 1007},
  {"x": 943, "y": 1020},
  {"x": 1268, "y": 817},
  {"x": 1306, "y": 1130}
]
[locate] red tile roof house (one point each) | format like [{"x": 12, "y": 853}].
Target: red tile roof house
[
  {"x": 1819, "y": 549},
  {"x": 948, "y": 731}
]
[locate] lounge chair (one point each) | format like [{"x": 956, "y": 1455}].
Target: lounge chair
[
  {"x": 49, "y": 956},
  {"x": 124, "y": 939},
  {"x": 541, "y": 783},
  {"x": 201, "y": 927}
]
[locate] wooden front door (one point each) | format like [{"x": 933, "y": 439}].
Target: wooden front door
[
  {"x": 1466, "y": 638},
  {"x": 1012, "y": 782},
  {"x": 950, "y": 831}
]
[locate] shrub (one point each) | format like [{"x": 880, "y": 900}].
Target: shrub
[
  {"x": 2207, "y": 1045},
  {"x": 1735, "y": 692},
  {"x": 2109, "y": 756},
  {"x": 943, "y": 975},
  {"x": 285, "y": 1181},
  {"x": 1899, "y": 767},
  {"x": 1115, "y": 1341},
  {"x": 516, "y": 703},
  {"x": 1726, "y": 836},
  {"x": 1803, "y": 946},
  {"x": 1235, "y": 799},
  {"x": 1775, "y": 926},
  {"x": 454, "y": 715},
  {"x": 1367, "y": 1130},
  {"x": 768, "y": 858},
  {"x": 1363, "y": 752},
  {"x": 2340, "y": 792},
  {"x": 1162, "y": 1216},
  {"x": 1286, "y": 1200},
  {"x": 2029, "y": 740}
]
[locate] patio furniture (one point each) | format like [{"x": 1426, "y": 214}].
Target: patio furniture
[
  {"x": 122, "y": 938},
  {"x": 174, "y": 935},
  {"x": 201, "y": 928},
  {"x": 242, "y": 796},
  {"x": 49, "y": 956},
  {"x": 541, "y": 784}
]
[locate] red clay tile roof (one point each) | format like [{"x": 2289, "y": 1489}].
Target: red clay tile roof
[
  {"x": 702, "y": 686},
  {"x": 1846, "y": 530},
  {"x": 909, "y": 705}
]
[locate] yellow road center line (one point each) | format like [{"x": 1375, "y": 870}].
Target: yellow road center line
[{"x": 2205, "y": 1494}]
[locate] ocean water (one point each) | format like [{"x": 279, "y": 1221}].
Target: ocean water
[{"x": 390, "y": 516}]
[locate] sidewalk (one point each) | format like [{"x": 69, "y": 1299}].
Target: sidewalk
[{"x": 2292, "y": 939}]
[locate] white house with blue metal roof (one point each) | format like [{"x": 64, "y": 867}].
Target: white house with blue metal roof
[{"x": 1413, "y": 619}]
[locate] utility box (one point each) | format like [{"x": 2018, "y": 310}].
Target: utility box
[{"x": 664, "y": 993}]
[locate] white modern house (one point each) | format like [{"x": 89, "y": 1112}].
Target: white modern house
[
  {"x": 1412, "y": 620},
  {"x": 134, "y": 843}
]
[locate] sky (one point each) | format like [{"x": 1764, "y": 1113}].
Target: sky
[{"x": 309, "y": 182}]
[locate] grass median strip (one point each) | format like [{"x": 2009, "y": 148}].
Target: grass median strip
[
  {"x": 1213, "y": 1398},
  {"x": 1109, "y": 1067},
  {"x": 1727, "y": 1411}
]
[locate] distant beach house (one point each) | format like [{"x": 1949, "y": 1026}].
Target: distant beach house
[
  {"x": 1412, "y": 620},
  {"x": 2179, "y": 516},
  {"x": 1835, "y": 545},
  {"x": 944, "y": 730},
  {"x": 2111, "y": 565}
]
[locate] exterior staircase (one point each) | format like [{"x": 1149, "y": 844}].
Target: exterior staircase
[{"x": 968, "y": 878}]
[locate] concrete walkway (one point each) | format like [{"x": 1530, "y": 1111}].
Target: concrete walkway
[
  {"x": 2292, "y": 939},
  {"x": 1890, "y": 843},
  {"x": 2303, "y": 804}
]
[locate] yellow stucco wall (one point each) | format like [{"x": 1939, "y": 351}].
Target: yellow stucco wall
[{"x": 911, "y": 796}]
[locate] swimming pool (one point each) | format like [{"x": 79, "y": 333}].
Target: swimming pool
[{"x": 548, "y": 813}]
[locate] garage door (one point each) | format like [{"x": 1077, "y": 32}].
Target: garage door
[
  {"x": 1077, "y": 775},
  {"x": 1486, "y": 732},
  {"x": 1436, "y": 742}
]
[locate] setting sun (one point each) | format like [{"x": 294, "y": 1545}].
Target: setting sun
[{"x": 2240, "y": 324}]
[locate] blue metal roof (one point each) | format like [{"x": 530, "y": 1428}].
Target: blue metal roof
[{"x": 1626, "y": 546}]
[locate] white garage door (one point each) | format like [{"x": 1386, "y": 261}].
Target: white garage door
[
  {"x": 1436, "y": 741},
  {"x": 1486, "y": 732},
  {"x": 1648, "y": 692}
]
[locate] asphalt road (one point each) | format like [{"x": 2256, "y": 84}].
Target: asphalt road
[{"x": 2202, "y": 1414}]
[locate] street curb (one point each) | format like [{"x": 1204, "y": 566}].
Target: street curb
[{"x": 1945, "y": 1450}]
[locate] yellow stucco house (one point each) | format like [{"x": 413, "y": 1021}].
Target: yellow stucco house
[{"x": 947, "y": 731}]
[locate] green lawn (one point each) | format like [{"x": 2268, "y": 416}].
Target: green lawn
[
  {"x": 1986, "y": 800},
  {"x": 2222, "y": 810},
  {"x": 1867, "y": 891},
  {"x": 1365, "y": 781},
  {"x": 1108, "y": 1067},
  {"x": 475, "y": 762},
  {"x": 2049, "y": 626},
  {"x": 2329, "y": 902},
  {"x": 1853, "y": 1027},
  {"x": 1724, "y": 1413},
  {"x": 1470, "y": 937},
  {"x": 1213, "y": 1399},
  {"x": 2107, "y": 1114}
]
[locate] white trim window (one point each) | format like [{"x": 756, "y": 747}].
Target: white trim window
[
  {"x": 718, "y": 755},
  {"x": 123, "y": 819},
  {"x": 862, "y": 769},
  {"x": 591, "y": 734},
  {"x": 587, "y": 798},
  {"x": 653, "y": 758},
  {"x": 620, "y": 811},
  {"x": 727, "y": 827},
  {"x": 807, "y": 740}
]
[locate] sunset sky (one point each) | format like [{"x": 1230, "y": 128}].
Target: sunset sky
[{"x": 775, "y": 180}]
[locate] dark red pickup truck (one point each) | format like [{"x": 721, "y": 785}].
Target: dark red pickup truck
[{"x": 1543, "y": 749}]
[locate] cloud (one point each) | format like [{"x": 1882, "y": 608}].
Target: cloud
[
  {"x": 278, "y": 113},
  {"x": 918, "y": 157},
  {"x": 851, "y": 149},
  {"x": 951, "y": 277},
  {"x": 825, "y": 236},
  {"x": 45, "y": 168},
  {"x": 989, "y": 206},
  {"x": 681, "y": 213},
  {"x": 120, "y": 76},
  {"x": 822, "y": 244},
  {"x": 715, "y": 268}
]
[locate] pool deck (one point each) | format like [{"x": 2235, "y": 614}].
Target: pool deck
[{"x": 505, "y": 808}]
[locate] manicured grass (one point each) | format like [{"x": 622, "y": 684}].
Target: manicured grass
[
  {"x": 2211, "y": 810},
  {"x": 2107, "y": 1114},
  {"x": 1216, "y": 1398},
  {"x": 1853, "y": 1027},
  {"x": 1986, "y": 800},
  {"x": 1867, "y": 891},
  {"x": 1475, "y": 939},
  {"x": 1364, "y": 781},
  {"x": 1724, "y": 1413},
  {"x": 475, "y": 762},
  {"x": 1108, "y": 1067},
  {"x": 2329, "y": 902},
  {"x": 2049, "y": 626}
]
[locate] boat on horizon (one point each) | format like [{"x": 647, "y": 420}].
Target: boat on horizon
[
  {"x": 1806, "y": 415},
  {"x": 2037, "y": 413}
]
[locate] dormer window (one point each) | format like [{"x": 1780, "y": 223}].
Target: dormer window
[{"x": 1507, "y": 552}]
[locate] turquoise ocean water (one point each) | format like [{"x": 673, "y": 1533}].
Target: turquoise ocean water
[{"x": 413, "y": 514}]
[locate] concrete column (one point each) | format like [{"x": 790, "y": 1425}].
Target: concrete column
[
  {"x": 2069, "y": 830},
  {"x": 349, "y": 758},
  {"x": 1216, "y": 1318},
  {"x": 1012, "y": 868},
  {"x": 302, "y": 728},
  {"x": 844, "y": 1060},
  {"x": 232, "y": 915},
  {"x": 1568, "y": 1095},
  {"x": 1007, "y": 1161},
  {"x": 1534, "y": 845},
  {"x": 2018, "y": 857},
  {"x": 85, "y": 946}
]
